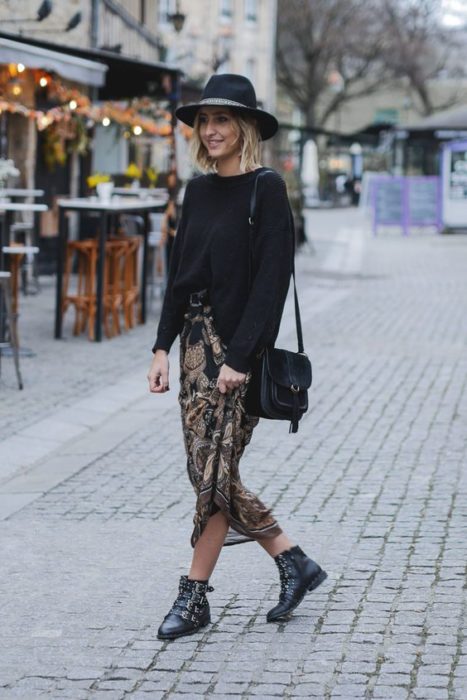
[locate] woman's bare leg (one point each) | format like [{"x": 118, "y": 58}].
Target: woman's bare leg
[
  {"x": 276, "y": 545},
  {"x": 208, "y": 547}
]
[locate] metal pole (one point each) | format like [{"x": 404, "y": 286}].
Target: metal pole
[{"x": 94, "y": 24}]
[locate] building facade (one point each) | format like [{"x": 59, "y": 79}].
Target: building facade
[
  {"x": 128, "y": 27},
  {"x": 223, "y": 36}
]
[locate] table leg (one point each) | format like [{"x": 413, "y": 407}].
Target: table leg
[
  {"x": 36, "y": 242},
  {"x": 144, "y": 272},
  {"x": 4, "y": 241},
  {"x": 5, "y": 236},
  {"x": 62, "y": 238},
  {"x": 100, "y": 274}
]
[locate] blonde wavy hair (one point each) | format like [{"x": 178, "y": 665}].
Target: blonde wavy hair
[{"x": 250, "y": 144}]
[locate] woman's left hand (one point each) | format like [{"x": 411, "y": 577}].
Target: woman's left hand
[{"x": 229, "y": 379}]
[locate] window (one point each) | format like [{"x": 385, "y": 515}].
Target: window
[
  {"x": 166, "y": 8},
  {"x": 251, "y": 10},
  {"x": 225, "y": 10}
]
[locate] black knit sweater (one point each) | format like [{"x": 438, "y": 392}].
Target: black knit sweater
[{"x": 211, "y": 252}]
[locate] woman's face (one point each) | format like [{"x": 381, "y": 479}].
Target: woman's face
[{"x": 219, "y": 133}]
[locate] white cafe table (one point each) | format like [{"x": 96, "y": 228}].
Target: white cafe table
[
  {"x": 7, "y": 210},
  {"x": 15, "y": 192},
  {"x": 106, "y": 210},
  {"x": 153, "y": 192}
]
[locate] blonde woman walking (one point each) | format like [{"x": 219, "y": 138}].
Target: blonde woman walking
[{"x": 223, "y": 322}]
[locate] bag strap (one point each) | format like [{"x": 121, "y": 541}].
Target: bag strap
[{"x": 251, "y": 221}]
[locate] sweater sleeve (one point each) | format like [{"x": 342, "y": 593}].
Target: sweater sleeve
[
  {"x": 172, "y": 314},
  {"x": 272, "y": 256}
]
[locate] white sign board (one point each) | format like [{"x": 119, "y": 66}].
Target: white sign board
[{"x": 454, "y": 184}]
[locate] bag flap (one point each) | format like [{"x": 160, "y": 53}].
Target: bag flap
[{"x": 288, "y": 368}]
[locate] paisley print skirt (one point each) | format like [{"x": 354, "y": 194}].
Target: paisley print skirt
[{"x": 216, "y": 430}]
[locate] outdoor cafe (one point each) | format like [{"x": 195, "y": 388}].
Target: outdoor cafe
[{"x": 87, "y": 152}]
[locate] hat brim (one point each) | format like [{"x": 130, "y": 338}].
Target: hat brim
[{"x": 267, "y": 123}]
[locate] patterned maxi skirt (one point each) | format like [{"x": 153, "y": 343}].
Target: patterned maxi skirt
[{"x": 216, "y": 430}]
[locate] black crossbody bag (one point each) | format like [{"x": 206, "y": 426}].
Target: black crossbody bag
[{"x": 280, "y": 379}]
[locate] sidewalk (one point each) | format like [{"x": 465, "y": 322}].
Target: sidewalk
[{"x": 96, "y": 523}]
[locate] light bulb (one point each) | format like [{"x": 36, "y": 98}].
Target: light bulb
[
  {"x": 20, "y": 67},
  {"x": 137, "y": 130},
  {"x": 72, "y": 104},
  {"x": 105, "y": 121},
  {"x": 43, "y": 82}
]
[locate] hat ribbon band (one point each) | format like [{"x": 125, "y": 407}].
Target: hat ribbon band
[{"x": 223, "y": 101}]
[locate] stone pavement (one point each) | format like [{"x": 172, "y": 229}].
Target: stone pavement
[{"x": 95, "y": 531}]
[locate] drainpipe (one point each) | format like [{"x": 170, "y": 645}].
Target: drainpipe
[{"x": 95, "y": 24}]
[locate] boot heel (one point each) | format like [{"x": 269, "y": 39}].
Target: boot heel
[{"x": 322, "y": 576}]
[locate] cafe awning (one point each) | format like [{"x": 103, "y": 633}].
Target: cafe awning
[
  {"x": 454, "y": 118},
  {"x": 80, "y": 70},
  {"x": 126, "y": 77}
]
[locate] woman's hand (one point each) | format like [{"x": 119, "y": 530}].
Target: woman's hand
[
  {"x": 229, "y": 379},
  {"x": 158, "y": 375}
]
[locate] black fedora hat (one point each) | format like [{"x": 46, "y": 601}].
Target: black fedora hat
[{"x": 235, "y": 92}]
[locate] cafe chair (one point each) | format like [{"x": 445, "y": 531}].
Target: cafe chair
[{"x": 11, "y": 317}]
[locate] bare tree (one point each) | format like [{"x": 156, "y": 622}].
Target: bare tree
[
  {"x": 332, "y": 51},
  {"x": 420, "y": 50},
  {"x": 327, "y": 54}
]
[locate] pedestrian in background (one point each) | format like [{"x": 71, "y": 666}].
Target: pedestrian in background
[{"x": 223, "y": 322}]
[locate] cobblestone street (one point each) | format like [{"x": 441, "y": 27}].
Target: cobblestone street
[{"x": 97, "y": 510}]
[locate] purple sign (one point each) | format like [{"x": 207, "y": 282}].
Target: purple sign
[{"x": 406, "y": 201}]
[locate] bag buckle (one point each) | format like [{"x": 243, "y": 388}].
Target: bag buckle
[
  {"x": 197, "y": 298},
  {"x": 295, "y": 388}
]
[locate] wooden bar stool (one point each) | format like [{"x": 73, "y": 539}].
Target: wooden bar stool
[
  {"x": 17, "y": 253},
  {"x": 131, "y": 296},
  {"x": 12, "y": 342},
  {"x": 84, "y": 299},
  {"x": 114, "y": 290}
]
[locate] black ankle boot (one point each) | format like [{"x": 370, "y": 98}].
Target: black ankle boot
[
  {"x": 190, "y": 611},
  {"x": 298, "y": 574}
]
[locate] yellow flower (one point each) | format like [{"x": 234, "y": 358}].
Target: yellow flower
[
  {"x": 95, "y": 179},
  {"x": 133, "y": 171},
  {"x": 152, "y": 174}
]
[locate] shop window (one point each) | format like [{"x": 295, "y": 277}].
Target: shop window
[
  {"x": 166, "y": 8},
  {"x": 251, "y": 10},
  {"x": 225, "y": 10}
]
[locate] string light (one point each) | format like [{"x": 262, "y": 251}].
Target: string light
[
  {"x": 72, "y": 104},
  {"x": 137, "y": 130},
  {"x": 20, "y": 67},
  {"x": 43, "y": 82},
  {"x": 106, "y": 121}
]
